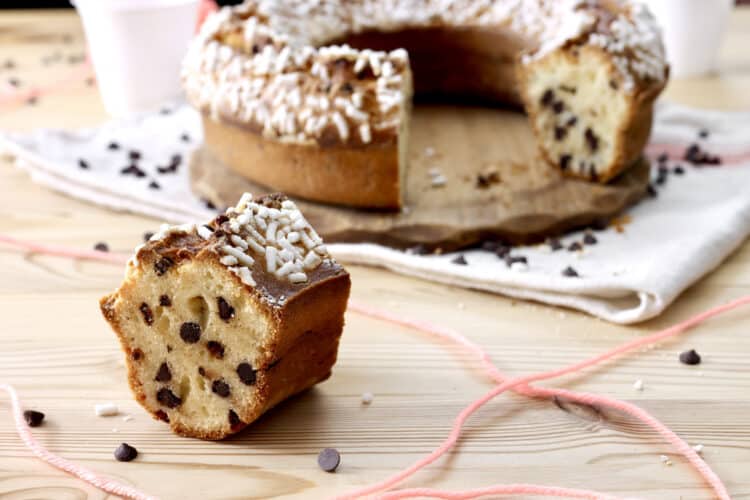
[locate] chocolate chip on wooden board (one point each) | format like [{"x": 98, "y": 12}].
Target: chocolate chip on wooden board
[
  {"x": 690, "y": 357},
  {"x": 125, "y": 453},
  {"x": 329, "y": 459},
  {"x": 33, "y": 418},
  {"x": 101, "y": 247}
]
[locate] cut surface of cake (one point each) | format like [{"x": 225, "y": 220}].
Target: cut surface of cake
[
  {"x": 323, "y": 88},
  {"x": 221, "y": 321}
]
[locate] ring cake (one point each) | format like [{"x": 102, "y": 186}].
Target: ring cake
[
  {"x": 220, "y": 322},
  {"x": 321, "y": 89}
]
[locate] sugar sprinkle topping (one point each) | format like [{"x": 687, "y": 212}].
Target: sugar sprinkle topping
[{"x": 267, "y": 63}]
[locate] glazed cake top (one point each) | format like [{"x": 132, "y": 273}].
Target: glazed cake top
[
  {"x": 267, "y": 243},
  {"x": 266, "y": 64}
]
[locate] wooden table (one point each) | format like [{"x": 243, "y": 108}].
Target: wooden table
[{"x": 62, "y": 357}]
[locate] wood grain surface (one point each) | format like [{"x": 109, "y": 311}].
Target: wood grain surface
[
  {"x": 63, "y": 359},
  {"x": 522, "y": 199}
]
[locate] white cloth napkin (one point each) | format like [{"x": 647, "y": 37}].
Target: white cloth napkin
[{"x": 665, "y": 244}]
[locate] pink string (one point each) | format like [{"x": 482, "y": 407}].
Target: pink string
[
  {"x": 518, "y": 384},
  {"x": 62, "y": 251},
  {"x": 79, "y": 471},
  {"x": 22, "y": 95}
]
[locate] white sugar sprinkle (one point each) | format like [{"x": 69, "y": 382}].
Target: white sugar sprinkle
[
  {"x": 105, "y": 409},
  {"x": 638, "y": 385},
  {"x": 367, "y": 398}
]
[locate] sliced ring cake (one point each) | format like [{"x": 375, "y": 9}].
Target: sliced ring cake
[{"x": 222, "y": 321}]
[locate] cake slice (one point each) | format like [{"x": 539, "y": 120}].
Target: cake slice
[{"x": 222, "y": 321}]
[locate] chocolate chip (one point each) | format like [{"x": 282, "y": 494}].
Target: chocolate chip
[
  {"x": 234, "y": 420},
  {"x": 514, "y": 259},
  {"x": 663, "y": 158},
  {"x": 558, "y": 107},
  {"x": 209, "y": 204},
  {"x": 329, "y": 459},
  {"x": 154, "y": 185},
  {"x": 703, "y": 133},
  {"x": 220, "y": 388},
  {"x": 133, "y": 170},
  {"x": 226, "y": 311},
  {"x": 190, "y": 332},
  {"x": 574, "y": 247},
  {"x": 162, "y": 265},
  {"x": 589, "y": 239},
  {"x": 679, "y": 170},
  {"x": 690, "y": 357},
  {"x": 554, "y": 244},
  {"x": 571, "y": 121},
  {"x": 163, "y": 375},
  {"x": 176, "y": 160},
  {"x": 592, "y": 173},
  {"x": 651, "y": 190},
  {"x": 165, "y": 111},
  {"x": 169, "y": 348},
  {"x": 167, "y": 170},
  {"x": 134, "y": 155},
  {"x": 246, "y": 373},
  {"x": 220, "y": 219},
  {"x": 148, "y": 316},
  {"x": 215, "y": 348},
  {"x": 165, "y": 301},
  {"x": 570, "y": 272},
  {"x": 168, "y": 398},
  {"x": 162, "y": 415},
  {"x": 347, "y": 87},
  {"x": 201, "y": 371},
  {"x": 83, "y": 164},
  {"x": 137, "y": 354},
  {"x": 101, "y": 247},
  {"x": 33, "y": 418},
  {"x": 661, "y": 178},
  {"x": 125, "y": 453},
  {"x": 147, "y": 236},
  {"x": 560, "y": 133},
  {"x": 185, "y": 138},
  {"x": 32, "y": 100},
  {"x": 565, "y": 161},
  {"x": 460, "y": 260},
  {"x": 547, "y": 97},
  {"x": 591, "y": 139},
  {"x": 613, "y": 85}
]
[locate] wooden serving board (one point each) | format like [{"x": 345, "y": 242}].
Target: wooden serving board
[{"x": 522, "y": 199}]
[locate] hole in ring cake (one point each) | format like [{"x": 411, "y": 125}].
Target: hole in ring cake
[{"x": 314, "y": 98}]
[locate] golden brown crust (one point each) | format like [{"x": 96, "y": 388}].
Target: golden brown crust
[{"x": 366, "y": 176}]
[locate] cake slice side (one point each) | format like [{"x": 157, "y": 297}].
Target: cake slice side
[{"x": 208, "y": 348}]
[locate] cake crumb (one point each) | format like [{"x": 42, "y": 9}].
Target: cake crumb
[
  {"x": 128, "y": 418},
  {"x": 698, "y": 448},
  {"x": 638, "y": 385},
  {"x": 105, "y": 409},
  {"x": 665, "y": 460},
  {"x": 367, "y": 398}
]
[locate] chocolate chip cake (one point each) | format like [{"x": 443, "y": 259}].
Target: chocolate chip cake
[
  {"x": 222, "y": 321},
  {"x": 322, "y": 88}
]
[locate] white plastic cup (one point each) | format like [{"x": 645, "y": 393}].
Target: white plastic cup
[
  {"x": 693, "y": 32},
  {"x": 137, "y": 47}
]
